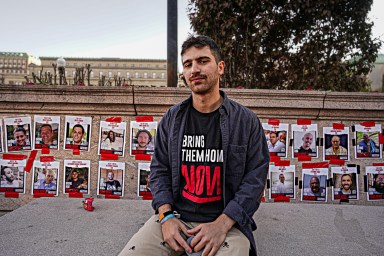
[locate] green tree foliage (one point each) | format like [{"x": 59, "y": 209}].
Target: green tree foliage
[{"x": 290, "y": 44}]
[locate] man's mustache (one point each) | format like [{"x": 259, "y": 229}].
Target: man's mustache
[{"x": 200, "y": 76}]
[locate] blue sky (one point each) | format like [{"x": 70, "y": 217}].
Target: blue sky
[{"x": 99, "y": 28}]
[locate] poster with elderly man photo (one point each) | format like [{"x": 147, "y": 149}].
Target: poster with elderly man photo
[
  {"x": 45, "y": 177},
  {"x": 314, "y": 184},
  {"x": 367, "y": 141},
  {"x": 143, "y": 137},
  {"x": 336, "y": 143},
  {"x": 304, "y": 140},
  {"x": 12, "y": 176},
  {"x": 47, "y": 130},
  {"x": 345, "y": 183},
  {"x": 277, "y": 139},
  {"x": 375, "y": 182},
  {"x": 18, "y": 133}
]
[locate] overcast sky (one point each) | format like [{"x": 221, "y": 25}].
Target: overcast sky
[{"x": 99, "y": 28}]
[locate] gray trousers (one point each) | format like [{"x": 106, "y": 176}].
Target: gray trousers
[{"x": 149, "y": 241}]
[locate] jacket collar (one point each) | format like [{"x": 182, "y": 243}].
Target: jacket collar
[{"x": 224, "y": 107}]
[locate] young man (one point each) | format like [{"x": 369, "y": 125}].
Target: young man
[
  {"x": 77, "y": 134},
  {"x": 210, "y": 165}
]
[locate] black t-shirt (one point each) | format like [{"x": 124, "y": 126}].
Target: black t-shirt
[{"x": 201, "y": 198}]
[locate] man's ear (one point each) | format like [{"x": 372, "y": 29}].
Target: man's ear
[{"x": 221, "y": 67}]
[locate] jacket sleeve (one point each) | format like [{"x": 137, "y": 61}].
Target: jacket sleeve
[
  {"x": 161, "y": 175},
  {"x": 250, "y": 180}
]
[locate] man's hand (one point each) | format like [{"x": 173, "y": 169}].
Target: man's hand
[
  {"x": 171, "y": 233},
  {"x": 211, "y": 235}
]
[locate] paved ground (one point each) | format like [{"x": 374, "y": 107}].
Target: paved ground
[{"x": 60, "y": 226}]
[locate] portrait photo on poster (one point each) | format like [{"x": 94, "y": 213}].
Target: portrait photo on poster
[
  {"x": 76, "y": 176},
  {"x": 1, "y": 136},
  {"x": 77, "y": 133},
  {"x": 375, "y": 180},
  {"x": 282, "y": 181},
  {"x": 112, "y": 138},
  {"x": 143, "y": 136},
  {"x": 111, "y": 178},
  {"x": 277, "y": 139},
  {"x": 336, "y": 143},
  {"x": 12, "y": 176},
  {"x": 367, "y": 141},
  {"x": 345, "y": 183},
  {"x": 143, "y": 187},
  {"x": 18, "y": 133},
  {"x": 45, "y": 177},
  {"x": 314, "y": 184},
  {"x": 304, "y": 140},
  {"x": 47, "y": 132}
]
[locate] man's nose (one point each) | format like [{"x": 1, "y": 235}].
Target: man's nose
[{"x": 195, "y": 68}]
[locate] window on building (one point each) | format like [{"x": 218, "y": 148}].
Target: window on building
[
  {"x": 136, "y": 75},
  {"x": 91, "y": 73},
  {"x": 116, "y": 65},
  {"x": 99, "y": 65},
  {"x": 100, "y": 74},
  {"x": 149, "y": 65},
  {"x": 118, "y": 74},
  {"x": 162, "y": 76},
  {"x": 107, "y": 64},
  {"x": 73, "y": 73},
  {"x": 109, "y": 73},
  {"x": 128, "y": 75},
  {"x": 141, "y": 65},
  {"x": 132, "y": 65},
  {"x": 154, "y": 75},
  {"x": 124, "y": 65},
  {"x": 145, "y": 75}
]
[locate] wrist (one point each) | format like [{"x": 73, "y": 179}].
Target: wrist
[{"x": 225, "y": 221}]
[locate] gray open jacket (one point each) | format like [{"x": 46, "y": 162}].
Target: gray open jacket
[{"x": 245, "y": 167}]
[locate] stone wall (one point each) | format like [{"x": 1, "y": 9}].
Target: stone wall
[{"x": 323, "y": 108}]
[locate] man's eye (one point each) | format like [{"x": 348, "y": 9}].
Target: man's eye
[{"x": 187, "y": 65}]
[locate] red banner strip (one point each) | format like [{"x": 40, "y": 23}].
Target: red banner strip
[
  {"x": 337, "y": 126},
  {"x": 303, "y": 158},
  {"x": 368, "y": 124},
  {"x": 76, "y": 151},
  {"x": 304, "y": 121},
  {"x": 283, "y": 163},
  {"x": 107, "y": 196},
  {"x": 143, "y": 157},
  {"x": 282, "y": 199},
  {"x": 274, "y": 159},
  {"x": 75, "y": 195},
  {"x": 378, "y": 164},
  {"x": 45, "y": 151},
  {"x": 147, "y": 197},
  {"x": 114, "y": 119},
  {"x": 273, "y": 121},
  {"x": 38, "y": 195},
  {"x": 14, "y": 157},
  {"x": 31, "y": 158},
  {"x": 11, "y": 194},
  {"x": 381, "y": 138},
  {"x": 315, "y": 165},
  {"x": 337, "y": 161},
  {"x": 109, "y": 157},
  {"x": 144, "y": 119},
  {"x": 263, "y": 199},
  {"x": 47, "y": 158}
]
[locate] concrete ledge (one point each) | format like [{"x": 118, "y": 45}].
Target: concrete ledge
[{"x": 60, "y": 226}]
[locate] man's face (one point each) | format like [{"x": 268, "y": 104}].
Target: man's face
[
  {"x": 143, "y": 139},
  {"x": 9, "y": 174},
  {"x": 46, "y": 134},
  {"x": 20, "y": 138},
  {"x": 201, "y": 71},
  {"x": 75, "y": 175},
  {"x": 77, "y": 135},
  {"x": 346, "y": 182},
  {"x": 379, "y": 186},
  {"x": 335, "y": 142},
  {"x": 273, "y": 138},
  {"x": 49, "y": 177},
  {"x": 315, "y": 184},
  {"x": 110, "y": 176},
  {"x": 365, "y": 137},
  {"x": 281, "y": 178},
  {"x": 307, "y": 140}
]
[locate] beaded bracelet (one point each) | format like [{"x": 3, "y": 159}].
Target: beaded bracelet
[
  {"x": 165, "y": 214},
  {"x": 170, "y": 216}
]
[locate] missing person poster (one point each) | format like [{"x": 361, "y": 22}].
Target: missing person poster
[
  {"x": 1, "y": 136},
  {"x": 18, "y": 133},
  {"x": 77, "y": 133},
  {"x": 375, "y": 180},
  {"x": 336, "y": 143},
  {"x": 282, "y": 181},
  {"x": 111, "y": 178},
  {"x": 367, "y": 141},
  {"x": 304, "y": 140},
  {"x": 277, "y": 139},
  {"x": 345, "y": 183},
  {"x": 45, "y": 177},
  {"x": 76, "y": 176},
  {"x": 12, "y": 176},
  {"x": 143, "y": 137},
  {"x": 143, "y": 187},
  {"x": 47, "y": 130},
  {"x": 314, "y": 184},
  {"x": 112, "y": 138}
]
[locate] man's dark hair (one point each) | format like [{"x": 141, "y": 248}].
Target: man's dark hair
[
  {"x": 46, "y": 125},
  {"x": 78, "y": 125},
  {"x": 200, "y": 42},
  {"x": 147, "y": 132},
  {"x": 20, "y": 129}
]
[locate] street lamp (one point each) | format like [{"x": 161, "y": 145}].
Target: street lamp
[{"x": 61, "y": 67}]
